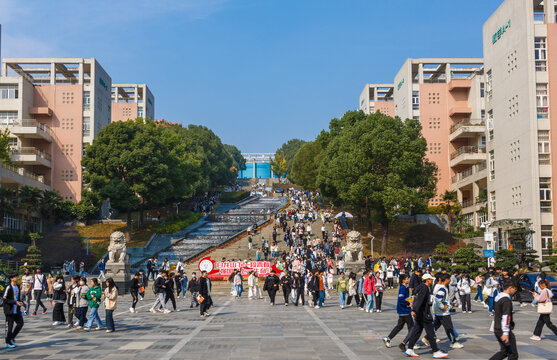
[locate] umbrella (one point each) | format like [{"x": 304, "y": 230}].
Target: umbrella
[{"x": 345, "y": 214}]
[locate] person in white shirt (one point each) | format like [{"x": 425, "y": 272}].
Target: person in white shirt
[
  {"x": 464, "y": 286},
  {"x": 179, "y": 266},
  {"x": 39, "y": 286},
  {"x": 390, "y": 276}
]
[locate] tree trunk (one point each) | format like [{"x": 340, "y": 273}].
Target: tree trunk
[
  {"x": 129, "y": 222},
  {"x": 385, "y": 226},
  {"x": 141, "y": 212}
]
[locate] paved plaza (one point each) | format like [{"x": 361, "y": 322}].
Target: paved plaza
[{"x": 244, "y": 329}]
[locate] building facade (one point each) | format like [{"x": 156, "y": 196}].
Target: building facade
[
  {"x": 258, "y": 166},
  {"x": 130, "y": 101},
  {"x": 377, "y": 97},
  {"x": 52, "y": 107},
  {"x": 520, "y": 50}
]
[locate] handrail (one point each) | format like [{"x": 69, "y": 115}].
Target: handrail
[
  {"x": 30, "y": 123},
  {"x": 26, "y": 173},
  {"x": 467, "y": 122},
  {"x": 467, "y": 150},
  {"x": 469, "y": 172},
  {"x": 31, "y": 151}
]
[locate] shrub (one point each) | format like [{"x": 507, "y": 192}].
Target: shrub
[
  {"x": 178, "y": 222},
  {"x": 18, "y": 238},
  {"x": 233, "y": 196}
]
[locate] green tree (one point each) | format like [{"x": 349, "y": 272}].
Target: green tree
[
  {"x": 378, "y": 163},
  {"x": 30, "y": 201},
  {"x": 469, "y": 259},
  {"x": 8, "y": 203},
  {"x": 526, "y": 256},
  {"x": 5, "y": 145},
  {"x": 450, "y": 206},
  {"x": 33, "y": 258},
  {"x": 442, "y": 256},
  {"x": 53, "y": 206},
  {"x": 506, "y": 258},
  {"x": 305, "y": 165},
  {"x": 288, "y": 150},
  {"x": 239, "y": 159},
  {"x": 278, "y": 165}
]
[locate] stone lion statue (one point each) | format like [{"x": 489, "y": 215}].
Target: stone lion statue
[
  {"x": 117, "y": 248},
  {"x": 354, "y": 247}
]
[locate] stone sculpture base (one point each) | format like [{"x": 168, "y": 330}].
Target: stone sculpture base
[
  {"x": 120, "y": 272},
  {"x": 357, "y": 267}
]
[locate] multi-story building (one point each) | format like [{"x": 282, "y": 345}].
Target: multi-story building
[
  {"x": 377, "y": 97},
  {"x": 447, "y": 96},
  {"x": 520, "y": 51},
  {"x": 130, "y": 101},
  {"x": 52, "y": 108}
]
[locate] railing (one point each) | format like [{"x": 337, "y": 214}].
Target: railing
[
  {"x": 468, "y": 122},
  {"x": 30, "y": 123},
  {"x": 26, "y": 173},
  {"x": 470, "y": 202},
  {"x": 469, "y": 172},
  {"x": 467, "y": 150},
  {"x": 31, "y": 151}
]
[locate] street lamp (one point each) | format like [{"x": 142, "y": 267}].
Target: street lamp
[
  {"x": 371, "y": 243},
  {"x": 490, "y": 242}
]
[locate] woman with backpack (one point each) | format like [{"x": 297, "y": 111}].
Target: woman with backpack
[
  {"x": 545, "y": 307},
  {"x": 58, "y": 298},
  {"x": 110, "y": 296}
]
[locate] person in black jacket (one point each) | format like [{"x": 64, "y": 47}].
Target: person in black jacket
[
  {"x": 134, "y": 291},
  {"x": 59, "y": 298},
  {"x": 169, "y": 293},
  {"x": 193, "y": 287},
  {"x": 12, "y": 311},
  {"x": 503, "y": 322},
  {"x": 298, "y": 286},
  {"x": 415, "y": 280},
  {"x": 205, "y": 292},
  {"x": 272, "y": 285},
  {"x": 421, "y": 312},
  {"x": 313, "y": 287},
  {"x": 286, "y": 282},
  {"x": 160, "y": 291}
]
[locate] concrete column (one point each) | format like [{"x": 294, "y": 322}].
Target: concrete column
[
  {"x": 420, "y": 73},
  {"x": 459, "y": 195},
  {"x": 80, "y": 79},
  {"x": 475, "y": 190},
  {"x": 549, "y": 11},
  {"x": 4, "y": 69},
  {"x": 136, "y": 96},
  {"x": 254, "y": 171},
  {"x": 448, "y": 72},
  {"x": 115, "y": 93},
  {"x": 52, "y": 73}
]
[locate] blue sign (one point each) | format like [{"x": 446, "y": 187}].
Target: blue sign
[{"x": 489, "y": 253}]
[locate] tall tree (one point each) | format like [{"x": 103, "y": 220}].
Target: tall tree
[
  {"x": 278, "y": 165},
  {"x": 8, "y": 203},
  {"x": 379, "y": 163},
  {"x": 450, "y": 206},
  {"x": 30, "y": 201},
  {"x": 5, "y": 145},
  {"x": 288, "y": 150},
  {"x": 305, "y": 165},
  {"x": 239, "y": 159}
]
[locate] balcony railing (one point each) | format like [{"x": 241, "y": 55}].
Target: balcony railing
[
  {"x": 467, "y": 150},
  {"x": 31, "y": 151},
  {"x": 474, "y": 169},
  {"x": 471, "y": 202},
  {"x": 26, "y": 173},
  {"x": 468, "y": 122}
]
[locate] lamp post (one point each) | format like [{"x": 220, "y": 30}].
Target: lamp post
[
  {"x": 371, "y": 243},
  {"x": 489, "y": 240}
]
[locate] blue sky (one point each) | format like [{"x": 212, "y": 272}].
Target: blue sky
[{"x": 257, "y": 72}]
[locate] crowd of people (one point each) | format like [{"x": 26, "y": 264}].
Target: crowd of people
[{"x": 206, "y": 203}]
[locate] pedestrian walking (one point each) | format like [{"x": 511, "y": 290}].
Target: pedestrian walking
[
  {"x": 272, "y": 285},
  {"x": 286, "y": 282},
  {"x": 342, "y": 289},
  {"x": 379, "y": 288},
  {"x": 403, "y": 309},
  {"x": 39, "y": 287},
  {"x": 82, "y": 303},
  {"x": 26, "y": 287},
  {"x": 193, "y": 287},
  {"x": 134, "y": 291},
  {"x": 72, "y": 299},
  {"x": 464, "y": 287},
  {"x": 545, "y": 307},
  {"x": 59, "y": 298},
  {"x": 110, "y": 300},
  {"x": 160, "y": 293},
  {"x": 503, "y": 323},
  {"x": 94, "y": 296},
  {"x": 205, "y": 294},
  {"x": 12, "y": 311},
  {"x": 441, "y": 309}
]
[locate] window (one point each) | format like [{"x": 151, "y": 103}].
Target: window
[
  {"x": 86, "y": 100},
  {"x": 7, "y": 117},
  {"x": 415, "y": 100},
  {"x": 489, "y": 84},
  {"x": 545, "y": 195},
  {"x": 490, "y": 124},
  {"x": 482, "y": 90},
  {"x": 11, "y": 222},
  {"x": 482, "y": 115},
  {"x": 492, "y": 204},
  {"x": 542, "y": 101},
  {"x": 139, "y": 111},
  {"x": 544, "y": 149},
  {"x": 492, "y": 165},
  {"x": 9, "y": 92},
  {"x": 547, "y": 236},
  {"x": 12, "y": 143},
  {"x": 86, "y": 126},
  {"x": 540, "y": 53}
]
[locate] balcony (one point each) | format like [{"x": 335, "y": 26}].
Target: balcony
[
  {"x": 20, "y": 176},
  {"x": 467, "y": 155},
  {"x": 31, "y": 156},
  {"x": 467, "y": 129},
  {"x": 40, "y": 110},
  {"x": 477, "y": 202},
  {"x": 31, "y": 129},
  {"x": 460, "y": 110},
  {"x": 459, "y": 84}
]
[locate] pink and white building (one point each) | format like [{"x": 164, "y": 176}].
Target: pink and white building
[{"x": 130, "y": 101}]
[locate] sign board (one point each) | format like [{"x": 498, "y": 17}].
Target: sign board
[
  {"x": 489, "y": 253},
  {"x": 400, "y": 84},
  {"x": 500, "y": 32},
  {"x": 219, "y": 270},
  {"x": 488, "y": 236}
]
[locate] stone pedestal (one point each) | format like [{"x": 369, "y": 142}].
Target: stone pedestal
[
  {"x": 356, "y": 267},
  {"x": 120, "y": 273}
]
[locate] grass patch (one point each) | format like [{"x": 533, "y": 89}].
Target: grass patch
[
  {"x": 233, "y": 196},
  {"x": 178, "y": 222},
  {"x": 100, "y": 236}
]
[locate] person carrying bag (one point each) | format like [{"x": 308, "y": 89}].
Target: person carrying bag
[{"x": 545, "y": 307}]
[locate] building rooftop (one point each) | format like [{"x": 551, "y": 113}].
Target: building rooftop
[{"x": 40, "y": 70}]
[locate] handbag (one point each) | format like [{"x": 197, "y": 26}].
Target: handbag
[
  {"x": 486, "y": 291},
  {"x": 546, "y": 307}
]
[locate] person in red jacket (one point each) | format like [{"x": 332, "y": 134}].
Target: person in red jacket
[{"x": 369, "y": 290}]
